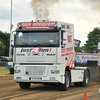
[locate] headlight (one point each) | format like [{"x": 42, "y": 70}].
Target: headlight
[
  {"x": 17, "y": 71},
  {"x": 55, "y": 71}
]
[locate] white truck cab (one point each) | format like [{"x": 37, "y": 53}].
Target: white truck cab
[{"x": 44, "y": 53}]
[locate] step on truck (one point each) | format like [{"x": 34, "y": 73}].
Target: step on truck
[{"x": 44, "y": 53}]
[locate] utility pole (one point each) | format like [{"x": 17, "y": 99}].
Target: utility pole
[{"x": 10, "y": 30}]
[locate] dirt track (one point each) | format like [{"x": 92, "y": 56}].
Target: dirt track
[{"x": 9, "y": 90}]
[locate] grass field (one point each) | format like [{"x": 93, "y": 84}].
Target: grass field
[{"x": 4, "y": 72}]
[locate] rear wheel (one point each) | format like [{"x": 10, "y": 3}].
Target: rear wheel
[
  {"x": 66, "y": 85},
  {"x": 24, "y": 85},
  {"x": 85, "y": 81}
]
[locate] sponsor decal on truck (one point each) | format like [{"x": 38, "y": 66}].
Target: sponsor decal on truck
[{"x": 36, "y": 50}]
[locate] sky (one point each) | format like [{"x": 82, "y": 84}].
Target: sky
[{"x": 84, "y": 14}]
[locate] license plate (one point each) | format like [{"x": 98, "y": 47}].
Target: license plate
[{"x": 36, "y": 79}]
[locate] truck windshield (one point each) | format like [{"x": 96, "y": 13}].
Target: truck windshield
[{"x": 37, "y": 39}]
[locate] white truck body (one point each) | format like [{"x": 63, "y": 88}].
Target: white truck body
[{"x": 48, "y": 56}]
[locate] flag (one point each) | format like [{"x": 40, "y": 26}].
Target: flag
[{"x": 12, "y": 26}]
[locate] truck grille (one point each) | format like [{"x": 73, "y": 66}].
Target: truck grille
[{"x": 35, "y": 70}]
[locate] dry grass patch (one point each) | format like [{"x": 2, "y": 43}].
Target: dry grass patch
[{"x": 4, "y": 72}]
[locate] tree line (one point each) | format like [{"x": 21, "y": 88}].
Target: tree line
[
  {"x": 93, "y": 38},
  {"x": 4, "y": 43}
]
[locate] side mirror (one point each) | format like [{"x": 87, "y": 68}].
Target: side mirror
[
  {"x": 64, "y": 42},
  {"x": 64, "y": 35},
  {"x": 12, "y": 43},
  {"x": 65, "y": 38},
  {"x": 12, "y": 38}
]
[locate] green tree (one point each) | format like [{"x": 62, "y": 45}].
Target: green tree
[
  {"x": 5, "y": 38},
  {"x": 93, "y": 39},
  {"x": 2, "y": 48},
  {"x": 78, "y": 49}
]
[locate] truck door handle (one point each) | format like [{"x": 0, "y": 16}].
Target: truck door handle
[{"x": 66, "y": 58}]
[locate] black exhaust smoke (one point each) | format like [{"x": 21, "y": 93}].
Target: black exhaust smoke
[{"x": 41, "y": 8}]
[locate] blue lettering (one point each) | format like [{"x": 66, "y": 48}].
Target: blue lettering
[{"x": 87, "y": 57}]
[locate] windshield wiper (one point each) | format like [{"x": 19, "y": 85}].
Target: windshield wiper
[
  {"x": 23, "y": 44},
  {"x": 48, "y": 44},
  {"x": 45, "y": 43},
  {"x": 33, "y": 44}
]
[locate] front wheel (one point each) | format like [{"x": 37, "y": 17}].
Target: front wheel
[
  {"x": 24, "y": 85},
  {"x": 66, "y": 85}
]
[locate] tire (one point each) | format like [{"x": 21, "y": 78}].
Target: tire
[
  {"x": 24, "y": 85},
  {"x": 85, "y": 81},
  {"x": 66, "y": 85}
]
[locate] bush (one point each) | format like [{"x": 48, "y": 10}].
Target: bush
[
  {"x": 11, "y": 70},
  {"x": 2, "y": 49}
]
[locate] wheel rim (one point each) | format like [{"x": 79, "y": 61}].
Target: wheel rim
[
  {"x": 67, "y": 81},
  {"x": 87, "y": 80}
]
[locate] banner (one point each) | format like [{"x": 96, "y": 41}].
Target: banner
[{"x": 82, "y": 59}]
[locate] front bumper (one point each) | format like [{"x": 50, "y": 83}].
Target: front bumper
[
  {"x": 47, "y": 79},
  {"x": 38, "y": 74}
]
